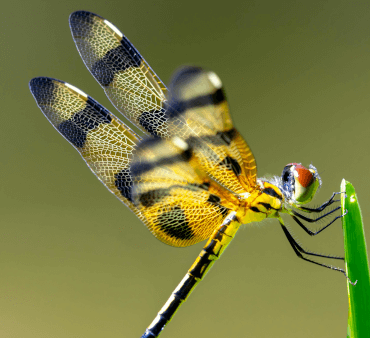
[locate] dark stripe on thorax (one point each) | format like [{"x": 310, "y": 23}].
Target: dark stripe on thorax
[
  {"x": 267, "y": 206},
  {"x": 272, "y": 192}
]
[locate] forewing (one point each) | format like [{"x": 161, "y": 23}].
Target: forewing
[
  {"x": 105, "y": 143},
  {"x": 178, "y": 202},
  {"x": 201, "y": 117},
  {"x": 127, "y": 79}
]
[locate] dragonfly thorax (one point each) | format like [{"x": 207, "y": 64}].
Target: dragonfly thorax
[{"x": 265, "y": 202}]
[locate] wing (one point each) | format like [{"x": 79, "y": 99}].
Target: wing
[
  {"x": 186, "y": 185},
  {"x": 127, "y": 79},
  {"x": 182, "y": 195},
  {"x": 198, "y": 111},
  {"x": 180, "y": 205},
  {"x": 201, "y": 117},
  {"x": 104, "y": 142}
]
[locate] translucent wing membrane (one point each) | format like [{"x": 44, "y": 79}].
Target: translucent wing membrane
[
  {"x": 201, "y": 117},
  {"x": 179, "y": 203},
  {"x": 105, "y": 143},
  {"x": 200, "y": 114},
  {"x": 128, "y": 81},
  {"x": 179, "y": 183},
  {"x": 176, "y": 183}
]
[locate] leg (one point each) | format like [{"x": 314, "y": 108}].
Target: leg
[
  {"x": 299, "y": 251},
  {"x": 323, "y": 206},
  {"x": 295, "y": 214}
]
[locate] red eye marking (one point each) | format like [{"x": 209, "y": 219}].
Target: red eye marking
[{"x": 305, "y": 177}]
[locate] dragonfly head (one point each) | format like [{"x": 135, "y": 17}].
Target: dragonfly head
[{"x": 299, "y": 184}]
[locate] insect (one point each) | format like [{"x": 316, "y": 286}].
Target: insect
[{"x": 192, "y": 177}]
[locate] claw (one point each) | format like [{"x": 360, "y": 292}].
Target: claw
[
  {"x": 353, "y": 283},
  {"x": 345, "y": 193}
]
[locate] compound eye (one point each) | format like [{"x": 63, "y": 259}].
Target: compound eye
[
  {"x": 288, "y": 179},
  {"x": 299, "y": 183},
  {"x": 306, "y": 184}
]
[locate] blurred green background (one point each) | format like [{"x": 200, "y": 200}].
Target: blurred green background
[{"x": 75, "y": 262}]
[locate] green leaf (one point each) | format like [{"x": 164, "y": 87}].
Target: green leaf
[{"x": 357, "y": 265}]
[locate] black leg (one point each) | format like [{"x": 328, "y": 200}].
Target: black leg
[
  {"x": 323, "y": 206},
  {"x": 311, "y": 233},
  {"x": 299, "y": 250},
  {"x": 307, "y": 219}
]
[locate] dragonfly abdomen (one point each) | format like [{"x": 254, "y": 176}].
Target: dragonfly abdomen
[{"x": 213, "y": 249}]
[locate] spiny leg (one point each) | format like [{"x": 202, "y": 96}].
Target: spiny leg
[
  {"x": 324, "y": 205},
  {"x": 299, "y": 250},
  {"x": 295, "y": 214}
]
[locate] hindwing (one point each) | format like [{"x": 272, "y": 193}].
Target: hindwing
[
  {"x": 179, "y": 203},
  {"x": 201, "y": 117}
]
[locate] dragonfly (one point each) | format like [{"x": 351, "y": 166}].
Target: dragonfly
[{"x": 191, "y": 176}]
